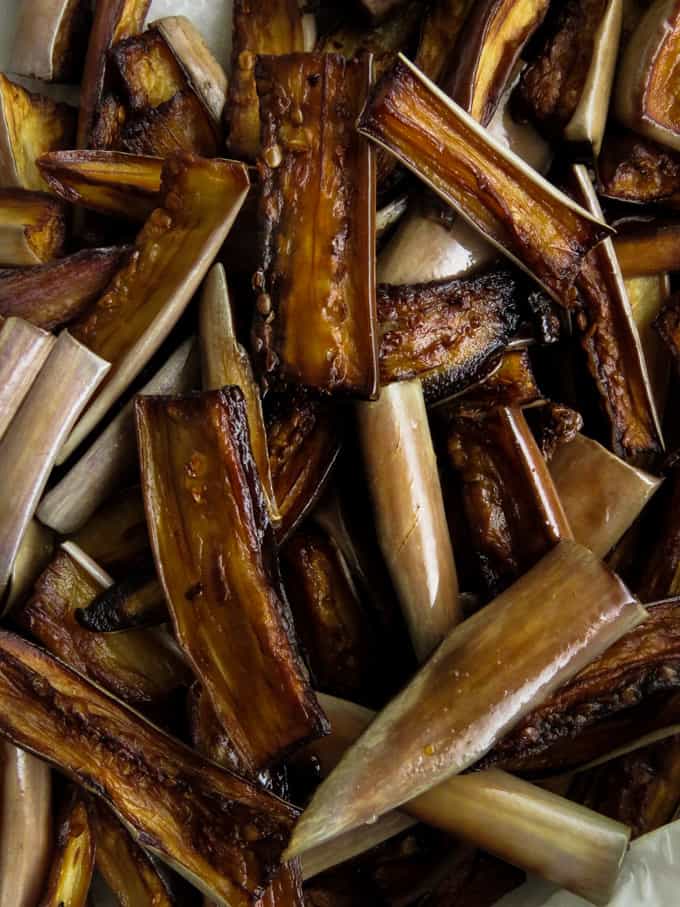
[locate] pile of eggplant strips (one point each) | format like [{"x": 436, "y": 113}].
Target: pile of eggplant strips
[{"x": 339, "y": 451}]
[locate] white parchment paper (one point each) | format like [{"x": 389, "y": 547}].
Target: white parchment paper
[{"x": 651, "y": 873}]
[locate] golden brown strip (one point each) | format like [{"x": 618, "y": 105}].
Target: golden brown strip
[
  {"x": 316, "y": 321},
  {"x": 73, "y": 859},
  {"x": 23, "y": 351},
  {"x": 661, "y": 570},
  {"x": 136, "y": 601},
  {"x": 50, "y": 39},
  {"x": 215, "y": 556},
  {"x": 649, "y": 248},
  {"x": 221, "y": 832},
  {"x": 32, "y": 228}
]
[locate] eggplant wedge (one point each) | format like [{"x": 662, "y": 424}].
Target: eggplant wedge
[
  {"x": 32, "y": 228},
  {"x": 146, "y": 70},
  {"x": 446, "y": 333},
  {"x": 172, "y": 255},
  {"x": 112, "y": 22},
  {"x": 58, "y": 395},
  {"x": 55, "y": 293},
  {"x": 565, "y": 90},
  {"x": 115, "y": 536},
  {"x": 644, "y": 662},
  {"x": 316, "y": 319},
  {"x": 634, "y": 169},
  {"x": 304, "y": 438},
  {"x": 69, "y": 881},
  {"x": 30, "y": 125},
  {"x": 512, "y": 506},
  {"x": 562, "y": 614},
  {"x": 512, "y": 383},
  {"x": 529, "y": 220},
  {"x": 261, "y": 27},
  {"x": 602, "y": 495},
  {"x": 139, "y": 666},
  {"x": 221, "y": 571},
  {"x": 648, "y": 249},
  {"x": 188, "y": 811},
  {"x": 23, "y": 351},
  {"x": 647, "y": 87},
  {"x": 137, "y": 601},
  {"x": 441, "y": 27},
  {"x": 50, "y": 39},
  {"x": 553, "y": 425},
  {"x": 489, "y": 45},
  {"x": 112, "y": 182}
]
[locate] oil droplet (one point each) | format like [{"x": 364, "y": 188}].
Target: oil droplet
[
  {"x": 428, "y": 750},
  {"x": 273, "y": 156}
]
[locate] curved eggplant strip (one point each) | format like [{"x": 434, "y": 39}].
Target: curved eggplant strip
[
  {"x": 562, "y": 614},
  {"x": 115, "y": 536},
  {"x": 131, "y": 604},
  {"x": 553, "y": 425},
  {"x": 215, "y": 556},
  {"x": 25, "y": 826},
  {"x": 188, "y": 811},
  {"x": 633, "y": 169},
  {"x": 450, "y": 152},
  {"x": 69, "y": 881},
  {"x": 446, "y": 333},
  {"x": 51, "y": 39}
]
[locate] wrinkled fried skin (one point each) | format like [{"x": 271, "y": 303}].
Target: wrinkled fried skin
[
  {"x": 315, "y": 317},
  {"x": 215, "y": 556},
  {"x": 179, "y": 124},
  {"x": 73, "y": 860},
  {"x": 553, "y": 425},
  {"x": 116, "y": 536},
  {"x": 220, "y": 831},
  {"x": 667, "y": 323},
  {"x": 645, "y": 662},
  {"x": 441, "y": 27},
  {"x": 136, "y": 601},
  {"x": 634, "y": 169},
  {"x": 447, "y": 333},
  {"x": 512, "y": 383},
  {"x": 648, "y": 248}
]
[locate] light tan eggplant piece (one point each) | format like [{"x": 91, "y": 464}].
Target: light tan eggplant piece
[
  {"x": 648, "y": 83},
  {"x": 29, "y": 448},
  {"x": 259, "y": 27},
  {"x": 214, "y": 551},
  {"x": 315, "y": 319},
  {"x": 403, "y": 481},
  {"x": 650, "y": 250},
  {"x": 224, "y": 361},
  {"x": 550, "y": 624},
  {"x": 32, "y": 228},
  {"x": 23, "y": 351},
  {"x": 172, "y": 254},
  {"x": 69, "y": 880},
  {"x": 647, "y": 296},
  {"x": 113, "y": 21},
  {"x": 389, "y": 215},
  {"x": 489, "y": 45},
  {"x": 441, "y": 28},
  {"x": 48, "y": 39},
  {"x": 25, "y": 826},
  {"x": 35, "y": 553},
  {"x": 202, "y": 71},
  {"x": 112, "y": 182},
  {"x": 530, "y": 221},
  {"x": 103, "y": 468},
  {"x": 531, "y": 828},
  {"x": 53, "y": 294},
  {"x": 221, "y": 832},
  {"x": 116, "y": 536},
  {"x": 601, "y": 495},
  {"x": 612, "y": 344},
  {"x": 127, "y": 870},
  {"x": 30, "y": 125}
]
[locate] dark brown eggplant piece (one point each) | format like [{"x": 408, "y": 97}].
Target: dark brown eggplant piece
[
  {"x": 316, "y": 319},
  {"x": 108, "y": 125},
  {"x": 379, "y": 8},
  {"x": 136, "y": 601},
  {"x": 447, "y": 333},
  {"x": 661, "y": 572},
  {"x": 259, "y": 27},
  {"x": 304, "y": 435},
  {"x": 51, "y": 39},
  {"x": 113, "y": 21},
  {"x": 644, "y": 662},
  {"x": 334, "y": 632},
  {"x": 512, "y": 205},
  {"x": 514, "y": 514},
  {"x": 634, "y": 169},
  {"x": 179, "y": 124},
  {"x": 648, "y": 248},
  {"x": 146, "y": 70},
  {"x": 53, "y": 294},
  {"x": 128, "y": 870},
  {"x": 441, "y": 28},
  {"x": 115, "y": 536},
  {"x": 474, "y": 879},
  {"x": 69, "y": 880},
  {"x": 221, "y": 832},
  {"x": 553, "y": 425},
  {"x": 667, "y": 323},
  {"x": 512, "y": 383},
  {"x": 219, "y": 570},
  {"x": 141, "y": 667}
]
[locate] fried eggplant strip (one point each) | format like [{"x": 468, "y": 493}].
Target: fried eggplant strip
[
  {"x": 536, "y": 226},
  {"x": 53, "y": 294},
  {"x": 66, "y": 382},
  {"x": 32, "y": 228},
  {"x": 172, "y": 254},
  {"x": 551, "y": 623},
  {"x": 512, "y": 506},
  {"x": 214, "y": 551},
  {"x": 260, "y": 27},
  {"x": 441, "y": 28},
  {"x": 23, "y": 351},
  {"x": 446, "y": 333},
  {"x": 30, "y": 125},
  {"x": 649, "y": 249},
  {"x": 113, "y": 21},
  {"x": 316, "y": 319},
  {"x": 633, "y": 169},
  {"x": 511, "y": 384},
  {"x": 137, "y": 601},
  {"x": 68, "y": 884},
  {"x": 661, "y": 572},
  {"x": 601, "y": 494},
  {"x": 125, "y": 185},
  {"x": 49, "y": 39},
  {"x": 221, "y": 832}
]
